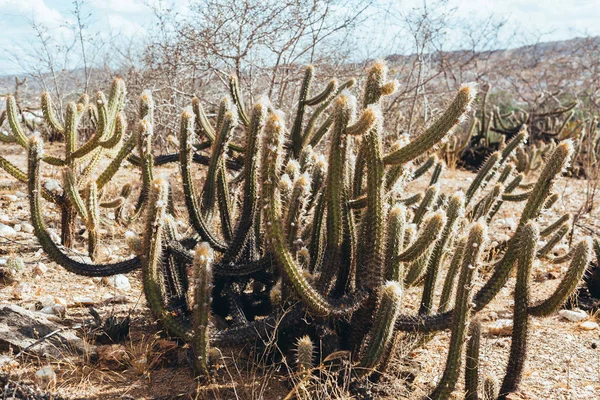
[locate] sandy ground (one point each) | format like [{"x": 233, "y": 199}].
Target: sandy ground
[{"x": 563, "y": 362}]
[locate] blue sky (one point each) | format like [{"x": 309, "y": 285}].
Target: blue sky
[{"x": 133, "y": 19}]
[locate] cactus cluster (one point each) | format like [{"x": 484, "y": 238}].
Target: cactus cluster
[
  {"x": 490, "y": 130},
  {"x": 311, "y": 232}
]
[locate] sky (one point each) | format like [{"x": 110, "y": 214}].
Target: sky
[{"x": 546, "y": 20}]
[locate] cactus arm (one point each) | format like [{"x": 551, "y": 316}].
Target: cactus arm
[
  {"x": 202, "y": 120},
  {"x": 382, "y": 332},
  {"x": 518, "y": 349},
  {"x": 49, "y": 114},
  {"x": 271, "y": 164},
  {"x": 490, "y": 164},
  {"x": 115, "y": 138},
  {"x": 236, "y": 97},
  {"x": 582, "y": 256},
  {"x": 250, "y": 206},
  {"x": 455, "y": 211},
  {"x": 308, "y": 131},
  {"x": 21, "y": 176},
  {"x": 436, "y": 131},
  {"x": 427, "y": 203},
  {"x": 324, "y": 95},
  {"x": 393, "y": 270},
  {"x": 557, "y": 161},
  {"x": 92, "y": 221},
  {"x": 453, "y": 270},
  {"x": 203, "y": 259},
  {"x": 462, "y": 311},
  {"x": 115, "y": 164},
  {"x": 322, "y": 131},
  {"x": 224, "y": 132},
  {"x": 296, "y": 132},
  {"x": 429, "y": 234},
  {"x": 73, "y": 193},
  {"x": 472, "y": 362},
  {"x": 185, "y": 154},
  {"x": 54, "y": 252},
  {"x": 12, "y": 113},
  {"x": 152, "y": 256}
]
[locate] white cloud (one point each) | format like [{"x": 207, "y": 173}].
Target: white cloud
[{"x": 119, "y": 6}]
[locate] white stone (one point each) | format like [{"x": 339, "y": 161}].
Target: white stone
[
  {"x": 27, "y": 227},
  {"x": 20, "y": 194},
  {"x": 46, "y": 377},
  {"x": 21, "y": 291},
  {"x": 119, "y": 281},
  {"x": 573, "y": 315},
  {"x": 588, "y": 325},
  {"x": 10, "y": 197},
  {"x": 7, "y": 231},
  {"x": 40, "y": 269}
]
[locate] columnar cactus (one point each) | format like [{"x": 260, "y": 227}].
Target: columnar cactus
[{"x": 323, "y": 244}]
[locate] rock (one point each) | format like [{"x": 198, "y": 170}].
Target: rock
[
  {"x": 119, "y": 281},
  {"x": 9, "y": 197},
  {"x": 20, "y": 194},
  {"x": 21, "y": 291},
  {"x": 574, "y": 315},
  {"x": 501, "y": 327},
  {"x": 26, "y": 227},
  {"x": 7, "y": 231},
  {"x": 40, "y": 269},
  {"x": 588, "y": 325},
  {"x": 20, "y": 328},
  {"x": 8, "y": 362},
  {"x": 83, "y": 301},
  {"x": 56, "y": 309},
  {"x": 53, "y": 185},
  {"x": 45, "y": 377}
]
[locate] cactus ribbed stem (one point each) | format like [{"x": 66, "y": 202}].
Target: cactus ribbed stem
[
  {"x": 271, "y": 165},
  {"x": 203, "y": 283},
  {"x": 382, "y": 332},
  {"x": 472, "y": 362},
  {"x": 437, "y": 130},
  {"x": 462, "y": 311},
  {"x": 35, "y": 146},
  {"x": 185, "y": 154},
  {"x": 582, "y": 256},
  {"x": 516, "y": 362}
]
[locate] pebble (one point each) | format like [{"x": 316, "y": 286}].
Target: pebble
[
  {"x": 46, "y": 377},
  {"x": 573, "y": 315},
  {"x": 7, "y": 231},
  {"x": 83, "y": 301},
  {"x": 10, "y": 197},
  {"x": 26, "y": 227},
  {"x": 40, "y": 269},
  {"x": 588, "y": 325},
  {"x": 119, "y": 281},
  {"x": 20, "y": 194},
  {"x": 501, "y": 327},
  {"x": 57, "y": 309},
  {"x": 21, "y": 291}
]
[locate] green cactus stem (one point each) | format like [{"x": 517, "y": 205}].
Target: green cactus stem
[
  {"x": 462, "y": 311},
  {"x": 35, "y": 146},
  {"x": 203, "y": 283}
]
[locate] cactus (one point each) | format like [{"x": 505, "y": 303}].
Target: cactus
[{"x": 325, "y": 238}]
